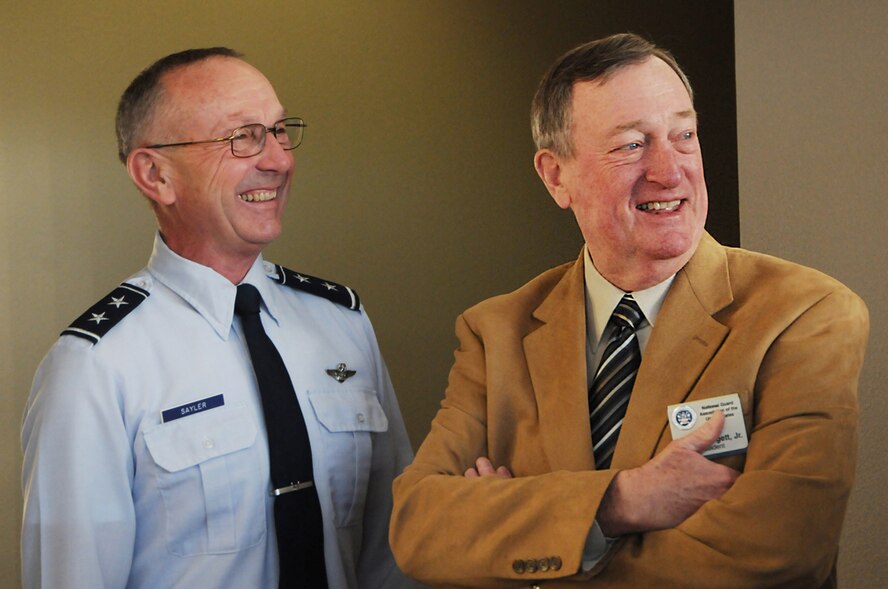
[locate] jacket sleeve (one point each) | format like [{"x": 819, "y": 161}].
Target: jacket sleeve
[
  {"x": 448, "y": 530},
  {"x": 78, "y": 527}
]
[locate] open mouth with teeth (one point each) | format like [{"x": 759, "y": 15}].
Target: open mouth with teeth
[
  {"x": 261, "y": 196},
  {"x": 659, "y": 205}
]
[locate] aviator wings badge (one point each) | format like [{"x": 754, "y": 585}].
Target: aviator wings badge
[{"x": 340, "y": 373}]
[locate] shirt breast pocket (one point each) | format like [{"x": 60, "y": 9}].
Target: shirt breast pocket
[
  {"x": 348, "y": 418},
  {"x": 207, "y": 469}
]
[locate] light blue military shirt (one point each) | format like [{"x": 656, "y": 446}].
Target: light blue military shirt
[{"x": 117, "y": 496}]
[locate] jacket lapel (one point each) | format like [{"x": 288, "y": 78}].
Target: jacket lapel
[
  {"x": 683, "y": 341},
  {"x": 556, "y": 359}
]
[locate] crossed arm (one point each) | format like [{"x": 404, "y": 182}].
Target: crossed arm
[{"x": 660, "y": 494}]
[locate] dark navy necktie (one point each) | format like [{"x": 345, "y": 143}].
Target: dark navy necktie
[
  {"x": 297, "y": 511},
  {"x": 614, "y": 379}
]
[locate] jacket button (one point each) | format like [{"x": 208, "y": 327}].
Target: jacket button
[
  {"x": 555, "y": 563},
  {"x": 544, "y": 565},
  {"x": 519, "y": 566},
  {"x": 532, "y": 566}
]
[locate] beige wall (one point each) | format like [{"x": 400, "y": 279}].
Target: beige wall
[
  {"x": 414, "y": 183},
  {"x": 813, "y": 139}
]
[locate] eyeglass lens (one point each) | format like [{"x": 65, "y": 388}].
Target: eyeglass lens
[{"x": 250, "y": 139}]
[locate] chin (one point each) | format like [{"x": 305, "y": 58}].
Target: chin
[
  {"x": 265, "y": 232},
  {"x": 674, "y": 246}
]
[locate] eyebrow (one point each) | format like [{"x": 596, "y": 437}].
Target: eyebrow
[{"x": 632, "y": 125}]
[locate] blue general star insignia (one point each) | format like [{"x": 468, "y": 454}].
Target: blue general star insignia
[
  {"x": 98, "y": 320},
  {"x": 340, "y": 373}
]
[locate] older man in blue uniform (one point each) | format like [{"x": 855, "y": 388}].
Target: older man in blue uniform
[{"x": 154, "y": 431}]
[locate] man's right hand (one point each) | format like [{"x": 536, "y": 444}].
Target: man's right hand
[{"x": 669, "y": 488}]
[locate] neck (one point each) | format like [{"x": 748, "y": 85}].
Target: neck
[
  {"x": 634, "y": 277},
  {"x": 232, "y": 267}
]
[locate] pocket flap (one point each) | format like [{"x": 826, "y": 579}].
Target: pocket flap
[
  {"x": 186, "y": 442},
  {"x": 348, "y": 410}
]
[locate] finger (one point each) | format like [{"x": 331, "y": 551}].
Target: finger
[
  {"x": 503, "y": 472},
  {"x": 706, "y": 435},
  {"x": 484, "y": 467},
  {"x": 471, "y": 473}
]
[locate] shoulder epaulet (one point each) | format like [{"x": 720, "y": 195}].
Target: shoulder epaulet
[
  {"x": 337, "y": 293},
  {"x": 108, "y": 312}
]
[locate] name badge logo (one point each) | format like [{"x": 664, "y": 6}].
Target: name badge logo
[
  {"x": 684, "y": 417},
  {"x": 191, "y": 408}
]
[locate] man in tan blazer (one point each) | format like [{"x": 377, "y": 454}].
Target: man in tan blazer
[{"x": 505, "y": 492}]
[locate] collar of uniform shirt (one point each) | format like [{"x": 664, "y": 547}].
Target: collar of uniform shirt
[
  {"x": 207, "y": 291},
  {"x": 602, "y": 298}
]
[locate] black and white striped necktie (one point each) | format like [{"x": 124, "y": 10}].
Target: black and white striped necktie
[{"x": 614, "y": 379}]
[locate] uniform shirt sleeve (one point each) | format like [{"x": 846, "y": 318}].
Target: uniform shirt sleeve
[
  {"x": 392, "y": 453},
  {"x": 78, "y": 527}
]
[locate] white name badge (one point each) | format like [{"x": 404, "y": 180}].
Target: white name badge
[{"x": 687, "y": 417}]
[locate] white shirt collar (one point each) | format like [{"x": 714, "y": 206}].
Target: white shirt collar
[{"x": 602, "y": 298}]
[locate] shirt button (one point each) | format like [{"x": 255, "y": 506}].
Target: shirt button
[
  {"x": 208, "y": 443},
  {"x": 361, "y": 418}
]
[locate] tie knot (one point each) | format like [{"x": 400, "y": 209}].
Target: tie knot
[
  {"x": 247, "y": 300},
  {"x": 628, "y": 314}
]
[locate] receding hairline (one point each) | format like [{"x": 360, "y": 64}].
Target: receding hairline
[
  {"x": 137, "y": 103},
  {"x": 170, "y": 106}
]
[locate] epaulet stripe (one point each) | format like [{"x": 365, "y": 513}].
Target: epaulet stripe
[
  {"x": 332, "y": 291},
  {"x": 108, "y": 312}
]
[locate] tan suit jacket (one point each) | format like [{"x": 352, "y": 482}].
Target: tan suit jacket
[{"x": 789, "y": 340}]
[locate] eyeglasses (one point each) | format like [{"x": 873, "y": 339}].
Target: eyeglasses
[{"x": 249, "y": 140}]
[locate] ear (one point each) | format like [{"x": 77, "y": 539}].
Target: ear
[
  {"x": 549, "y": 169},
  {"x": 148, "y": 171}
]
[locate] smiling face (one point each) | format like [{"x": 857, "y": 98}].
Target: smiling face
[
  {"x": 634, "y": 180},
  {"x": 212, "y": 207}
]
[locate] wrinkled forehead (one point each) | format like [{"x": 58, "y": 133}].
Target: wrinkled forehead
[{"x": 643, "y": 83}]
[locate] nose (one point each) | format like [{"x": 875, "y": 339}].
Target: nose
[
  {"x": 663, "y": 165},
  {"x": 273, "y": 157}
]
